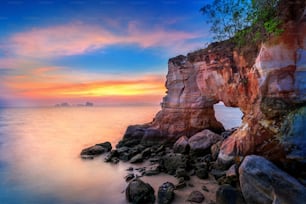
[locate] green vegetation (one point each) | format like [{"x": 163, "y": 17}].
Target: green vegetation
[{"x": 243, "y": 21}]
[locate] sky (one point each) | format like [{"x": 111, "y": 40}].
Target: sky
[{"x": 109, "y": 52}]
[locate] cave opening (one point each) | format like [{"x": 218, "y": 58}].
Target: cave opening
[{"x": 229, "y": 117}]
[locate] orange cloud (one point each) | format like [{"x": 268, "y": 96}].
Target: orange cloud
[
  {"x": 75, "y": 39},
  {"x": 36, "y": 86},
  {"x": 148, "y": 86}
]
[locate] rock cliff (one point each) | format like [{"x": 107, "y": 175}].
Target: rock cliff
[{"x": 267, "y": 84}]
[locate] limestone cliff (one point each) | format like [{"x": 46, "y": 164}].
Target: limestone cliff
[{"x": 268, "y": 86}]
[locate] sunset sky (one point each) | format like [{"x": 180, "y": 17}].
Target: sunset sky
[{"x": 107, "y": 52}]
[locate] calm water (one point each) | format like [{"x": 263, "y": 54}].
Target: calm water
[{"x": 39, "y": 153}]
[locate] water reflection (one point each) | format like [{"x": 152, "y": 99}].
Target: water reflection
[
  {"x": 42, "y": 151},
  {"x": 39, "y": 154}
]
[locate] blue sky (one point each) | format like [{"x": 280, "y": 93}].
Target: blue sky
[{"x": 47, "y": 46}]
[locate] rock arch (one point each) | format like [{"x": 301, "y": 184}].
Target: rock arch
[{"x": 268, "y": 86}]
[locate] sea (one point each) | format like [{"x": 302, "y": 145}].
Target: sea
[{"x": 40, "y": 147}]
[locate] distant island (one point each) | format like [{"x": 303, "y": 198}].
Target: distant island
[{"x": 65, "y": 104}]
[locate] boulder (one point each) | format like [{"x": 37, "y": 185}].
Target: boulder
[
  {"x": 226, "y": 194},
  {"x": 262, "y": 183},
  {"x": 196, "y": 197},
  {"x": 173, "y": 161},
  {"x": 94, "y": 150},
  {"x": 201, "y": 142},
  {"x": 181, "y": 145},
  {"x": 139, "y": 192},
  {"x": 135, "y": 132},
  {"x": 133, "y": 135},
  {"x": 166, "y": 193}
]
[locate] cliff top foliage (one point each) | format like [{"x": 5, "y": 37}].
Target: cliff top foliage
[{"x": 244, "y": 21}]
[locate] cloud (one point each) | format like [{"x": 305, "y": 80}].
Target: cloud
[
  {"x": 74, "y": 39},
  {"x": 51, "y": 82},
  {"x": 147, "y": 86}
]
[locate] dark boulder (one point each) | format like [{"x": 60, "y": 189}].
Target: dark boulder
[
  {"x": 166, "y": 193},
  {"x": 132, "y": 136},
  {"x": 264, "y": 183},
  {"x": 95, "y": 150},
  {"x": 135, "y": 132},
  {"x": 139, "y": 192}
]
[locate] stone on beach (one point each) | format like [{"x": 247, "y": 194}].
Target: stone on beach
[
  {"x": 139, "y": 192},
  {"x": 97, "y": 149},
  {"x": 166, "y": 193}
]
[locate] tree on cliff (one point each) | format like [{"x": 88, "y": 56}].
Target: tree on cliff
[{"x": 243, "y": 20}]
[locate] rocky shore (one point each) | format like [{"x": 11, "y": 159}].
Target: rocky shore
[
  {"x": 252, "y": 179},
  {"x": 262, "y": 161}
]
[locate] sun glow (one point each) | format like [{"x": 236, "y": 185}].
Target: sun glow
[{"x": 118, "y": 90}]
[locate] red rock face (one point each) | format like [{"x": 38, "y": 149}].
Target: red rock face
[
  {"x": 266, "y": 89},
  {"x": 185, "y": 111},
  {"x": 275, "y": 88}
]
